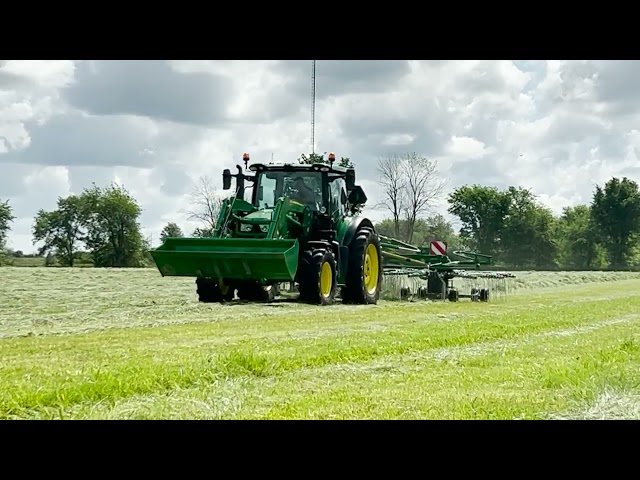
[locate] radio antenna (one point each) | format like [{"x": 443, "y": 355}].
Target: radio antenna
[{"x": 313, "y": 106}]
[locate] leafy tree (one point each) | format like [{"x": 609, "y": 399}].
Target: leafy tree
[
  {"x": 439, "y": 228},
  {"x": 202, "y": 232},
  {"x": 312, "y": 158},
  {"x": 171, "y": 230},
  {"x": 319, "y": 158},
  {"x": 346, "y": 162},
  {"x": 60, "y": 229},
  {"x": 511, "y": 225},
  {"x": 110, "y": 216},
  {"x": 482, "y": 211},
  {"x": 385, "y": 227},
  {"x": 49, "y": 260},
  {"x": 528, "y": 235},
  {"x": 6, "y": 218},
  {"x": 616, "y": 213},
  {"x": 577, "y": 234},
  {"x": 432, "y": 228}
]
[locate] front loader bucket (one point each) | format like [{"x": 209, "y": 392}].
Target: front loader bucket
[{"x": 229, "y": 258}]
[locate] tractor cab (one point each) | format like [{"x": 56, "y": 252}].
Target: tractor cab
[
  {"x": 327, "y": 189},
  {"x": 304, "y": 186}
]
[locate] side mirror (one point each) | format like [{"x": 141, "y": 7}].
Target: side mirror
[
  {"x": 343, "y": 196},
  {"x": 260, "y": 192},
  {"x": 226, "y": 179},
  {"x": 350, "y": 179},
  {"x": 357, "y": 196}
]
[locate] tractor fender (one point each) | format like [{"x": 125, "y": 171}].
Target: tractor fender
[
  {"x": 356, "y": 225},
  {"x": 349, "y": 236}
]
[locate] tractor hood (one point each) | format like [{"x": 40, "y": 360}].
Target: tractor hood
[{"x": 265, "y": 214}]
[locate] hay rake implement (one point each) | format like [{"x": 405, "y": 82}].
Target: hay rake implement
[{"x": 412, "y": 272}]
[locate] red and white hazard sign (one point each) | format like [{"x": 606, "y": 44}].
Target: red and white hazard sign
[{"x": 438, "y": 247}]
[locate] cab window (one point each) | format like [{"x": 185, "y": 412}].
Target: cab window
[{"x": 336, "y": 187}]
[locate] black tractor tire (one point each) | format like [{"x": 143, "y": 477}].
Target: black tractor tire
[
  {"x": 318, "y": 277},
  {"x": 304, "y": 271},
  {"x": 254, "y": 292},
  {"x": 247, "y": 292},
  {"x": 210, "y": 291},
  {"x": 423, "y": 293},
  {"x": 454, "y": 296},
  {"x": 268, "y": 293},
  {"x": 484, "y": 295},
  {"x": 359, "y": 271},
  {"x": 405, "y": 293},
  {"x": 474, "y": 294}
]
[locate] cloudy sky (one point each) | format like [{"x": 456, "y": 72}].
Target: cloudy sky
[{"x": 558, "y": 127}]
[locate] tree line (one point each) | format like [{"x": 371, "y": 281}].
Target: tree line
[
  {"x": 511, "y": 224},
  {"x": 100, "y": 226}
]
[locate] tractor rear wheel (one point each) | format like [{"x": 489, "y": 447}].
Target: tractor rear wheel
[
  {"x": 318, "y": 279},
  {"x": 211, "y": 291},
  {"x": 364, "y": 273}
]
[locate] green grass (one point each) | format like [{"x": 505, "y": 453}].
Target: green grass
[
  {"x": 89, "y": 343},
  {"x": 26, "y": 261}
]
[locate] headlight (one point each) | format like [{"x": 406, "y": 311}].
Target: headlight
[
  {"x": 246, "y": 227},
  {"x": 264, "y": 228}
]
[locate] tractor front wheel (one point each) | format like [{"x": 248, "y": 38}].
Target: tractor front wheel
[
  {"x": 211, "y": 291},
  {"x": 318, "y": 282},
  {"x": 364, "y": 274},
  {"x": 254, "y": 292}
]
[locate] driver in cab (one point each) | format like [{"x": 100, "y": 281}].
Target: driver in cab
[{"x": 305, "y": 194}]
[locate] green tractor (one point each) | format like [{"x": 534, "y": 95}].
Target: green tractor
[{"x": 301, "y": 226}]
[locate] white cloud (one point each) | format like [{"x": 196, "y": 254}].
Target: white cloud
[
  {"x": 398, "y": 139},
  {"x": 54, "y": 179},
  {"x": 558, "y": 127},
  {"x": 45, "y": 73},
  {"x": 466, "y": 148}
]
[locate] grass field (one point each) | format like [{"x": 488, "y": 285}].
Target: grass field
[
  {"x": 89, "y": 343},
  {"x": 27, "y": 262}
]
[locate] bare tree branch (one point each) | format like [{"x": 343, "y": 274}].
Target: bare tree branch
[
  {"x": 390, "y": 170},
  {"x": 422, "y": 187},
  {"x": 206, "y": 204}
]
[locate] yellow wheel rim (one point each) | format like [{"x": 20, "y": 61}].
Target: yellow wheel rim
[
  {"x": 326, "y": 279},
  {"x": 371, "y": 269}
]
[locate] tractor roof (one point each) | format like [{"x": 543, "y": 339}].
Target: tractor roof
[{"x": 297, "y": 167}]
